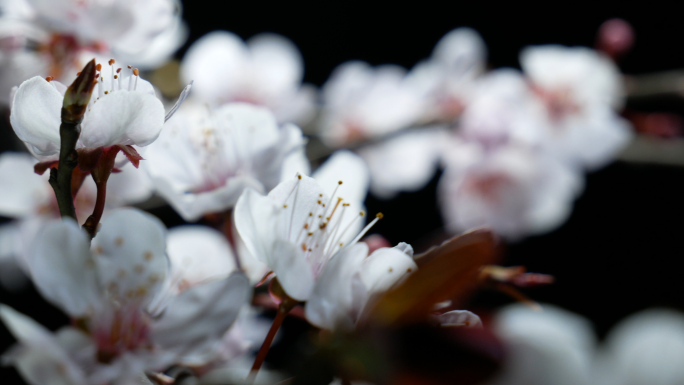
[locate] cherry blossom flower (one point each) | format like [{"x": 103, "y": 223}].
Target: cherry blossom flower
[
  {"x": 123, "y": 111},
  {"x": 577, "y": 90},
  {"x": 513, "y": 190},
  {"x": 302, "y": 223},
  {"x": 108, "y": 290},
  {"x": 57, "y": 38},
  {"x": 267, "y": 71},
  {"x": 205, "y": 158},
  {"x": 447, "y": 78},
  {"x": 361, "y": 102}
]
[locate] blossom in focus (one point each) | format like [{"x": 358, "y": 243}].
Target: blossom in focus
[
  {"x": 267, "y": 70},
  {"x": 576, "y": 93},
  {"x": 303, "y": 222},
  {"x": 123, "y": 111},
  {"x": 206, "y": 157},
  {"x": 513, "y": 190},
  {"x": 361, "y": 102},
  {"x": 109, "y": 290}
]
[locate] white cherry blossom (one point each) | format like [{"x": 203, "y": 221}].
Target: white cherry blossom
[
  {"x": 108, "y": 289},
  {"x": 205, "y": 158},
  {"x": 513, "y": 190},
  {"x": 123, "y": 111},
  {"x": 361, "y": 102},
  {"x": 267, "y": 70},
  {"x": 302, "y": 223},
  {"x": 447, "y": 78},
  {"x": 576, "y": 91}
]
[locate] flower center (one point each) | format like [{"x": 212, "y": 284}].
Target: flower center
[
  {"x": 119, "y": 329},
  {"x": 321, "y": 232}
]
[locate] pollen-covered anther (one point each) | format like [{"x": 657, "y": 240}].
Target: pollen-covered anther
[
  {"x": 111, "y": 61},
  {"x": 136, "y": 72},
  {"x": 49, "y": 78},
  {"x": 98, "y": 67},
  {"x": 379, "y": 215}
]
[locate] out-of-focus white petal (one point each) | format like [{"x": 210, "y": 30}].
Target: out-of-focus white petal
[
  {"x": 459, "y": 318},
  {"x": 129, "y": 251},
  {"x": 35, "y": 115},
  {"x": 23, "y": 192},
  {"x": 63, "y": 270},
  {"x": 198, "y": 254},
  {"x": 588, "y": 74},
  {"x": 39, "y": 358},
  {"x": 548, "y": 347},
  {"x": 123, "y": 117},
  {"x": 278, "y": 63},
  {"x": 215, "y": 62},
  {"x": 202, "y": 313},
  {"x": 405, "y": 162},
  {"x": 513, "y": 190},
  {"x": 645, "y": 348},
  {"x": 129, "y": 186}
]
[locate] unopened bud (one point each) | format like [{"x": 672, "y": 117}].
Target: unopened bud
[{"x": 77, "y": 96}]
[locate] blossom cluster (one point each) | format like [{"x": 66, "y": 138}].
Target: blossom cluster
[{"x": 271, "y": 230}]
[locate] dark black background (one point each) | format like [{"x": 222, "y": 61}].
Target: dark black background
[{"x": 620, "y": 250}]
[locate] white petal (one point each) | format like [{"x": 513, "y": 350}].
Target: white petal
[
  {"x": 23, "y": 191},
  {"x": 405, "y": 162},
  {"x": 123, "y": 117},
  {"x": 35, "y": 115},
  {"x": 129, "y": 251},
  {"x": 129, "y": 186},
  {"x": 63, "y": 270},
  {"x": 385, "y": 267},
  {"x": 459, "y": 318},
  {"x": 548, "y": 347},
  {"x": 646, "y": 348},
  {"x": 202, "y": 314},
  {"x": 254, "y": 215},
  {"x": 198, "y": 254},
  {"x": 216, "y": 63},
  {"x": 277, "y": 64},
  {"x": 332, "y": 302},
  {"x": 39, "y": 359}
]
